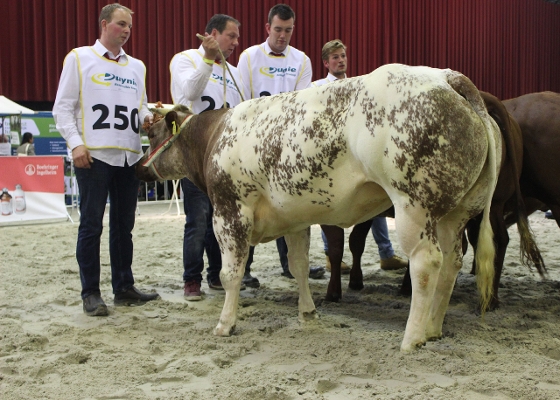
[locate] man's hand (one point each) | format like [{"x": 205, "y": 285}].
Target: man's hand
[
  {"x": 81, "y": 157},
  {"x": 210, "y": 46}
]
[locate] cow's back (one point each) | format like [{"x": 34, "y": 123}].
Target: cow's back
[{"x": 340, "y": 153}]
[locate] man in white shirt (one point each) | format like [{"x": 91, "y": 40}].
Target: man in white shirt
[
  {"x": 197, "y": 81},
  {"x": 270, "y": 68},
  {"x": 100, "y": 102},
  {"x": 274, "y": 66},
  {"x": 334, "y": 59}
]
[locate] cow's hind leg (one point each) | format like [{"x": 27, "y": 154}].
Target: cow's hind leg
[
  {"x": 335, "y": 240},
  {"x": 450, "y": 241},
  {"x": 425, "y": 258},
  {"x": 298, "y": 261},
  {"x": 357, "y": 243}
]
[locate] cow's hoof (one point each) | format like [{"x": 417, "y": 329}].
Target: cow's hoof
[
  {"x": 434, "y": 338},
  {"x": 406, "y": 291},
  {"x": 494, "y": 304},
  {"x": 309, "y": 316},
  {"x": 222, "y": 330},
  {"x": 434, "y": 333},
  {"x": 355, "y": 285},
  {"x": 335, "y": 298},
  {"x": 412, "y": 347}
]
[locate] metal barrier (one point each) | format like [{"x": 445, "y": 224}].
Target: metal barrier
[
  {"x": 152, "y": 192},
  {"x": 166, "y": 191}
]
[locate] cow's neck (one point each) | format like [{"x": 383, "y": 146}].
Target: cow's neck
[{"x": 199, "y": 137}]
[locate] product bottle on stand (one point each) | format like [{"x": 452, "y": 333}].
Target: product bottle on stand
[
  {"x": 6, "y": 202},
  {"x": 19, "y": 200}
]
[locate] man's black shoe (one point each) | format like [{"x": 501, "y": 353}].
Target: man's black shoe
[
  {"x": 217, "y": 285},
  {"x": 314, "y": 273},
  {"x": 94, "y": 306},
  {"x": 287, "y": 274},
  {"x": 133, "y": 296},
  {"x": 250, "y": 281}
]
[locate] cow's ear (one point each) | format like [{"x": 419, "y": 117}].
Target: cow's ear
[{"x": 171, "y": 117}]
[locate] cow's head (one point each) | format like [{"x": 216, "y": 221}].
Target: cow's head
[{"x": 161, "y": 161}]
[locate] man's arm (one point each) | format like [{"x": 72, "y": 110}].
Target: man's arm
[
  {"x": 189, "y": 79},
  {"x": 67, "y": 100},
  {"x": 306, "y": 75},
  {"x": 65, "y": 109}
]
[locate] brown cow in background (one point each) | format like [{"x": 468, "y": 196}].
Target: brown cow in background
[{"x": 538, "y": 115}]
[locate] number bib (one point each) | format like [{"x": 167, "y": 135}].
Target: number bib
[{"x": 114, "y": 94}]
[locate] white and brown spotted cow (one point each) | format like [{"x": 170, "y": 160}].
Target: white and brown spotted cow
[{"x": 338, "y": 154}]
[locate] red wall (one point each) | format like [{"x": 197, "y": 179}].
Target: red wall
[{"x": 506, "y": 47}]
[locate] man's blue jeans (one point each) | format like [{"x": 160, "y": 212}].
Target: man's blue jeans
[
  {"x": 380, "y": 233},
  {"x": 199, "y": 236},
  {"x": 95, "y": 184}
]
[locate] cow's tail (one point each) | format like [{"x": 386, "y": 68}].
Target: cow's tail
[
  {"x": 485, "y": 252},
  {"x": 529, "y": 251}
]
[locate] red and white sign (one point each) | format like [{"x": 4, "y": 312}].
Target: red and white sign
[{"x": 31, "y": 189}]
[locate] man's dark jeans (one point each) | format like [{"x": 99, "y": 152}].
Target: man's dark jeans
[
  {"x": 121, "y": 186},
  {"x": 199, "y": 235}
]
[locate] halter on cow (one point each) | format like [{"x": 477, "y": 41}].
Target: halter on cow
[{"x": 417, "y": 137}]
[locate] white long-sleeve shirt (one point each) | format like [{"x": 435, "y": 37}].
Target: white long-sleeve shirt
[{"x": 199, "y": 86}]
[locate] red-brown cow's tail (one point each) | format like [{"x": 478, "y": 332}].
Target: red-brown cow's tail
[{"x": 529, "y": 251}]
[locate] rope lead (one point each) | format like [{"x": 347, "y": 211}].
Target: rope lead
[{"x": 224, "y": 66}]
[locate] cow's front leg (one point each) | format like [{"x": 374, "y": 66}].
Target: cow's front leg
[
  {"x": 233, "y": 267},
  {"x": 298, "y": 262}
]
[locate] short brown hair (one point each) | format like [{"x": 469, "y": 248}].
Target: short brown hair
[
  {"x": 219, "y": 22},
  {"x": 331, "y": 46},
  {"x": 283, "y": 11},
  {"x": 107, "y": 12}
]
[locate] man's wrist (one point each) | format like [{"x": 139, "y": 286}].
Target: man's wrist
[{"x": 208, "y": 61}]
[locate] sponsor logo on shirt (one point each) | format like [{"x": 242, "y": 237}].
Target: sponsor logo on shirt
[
  {"x": 272, "y": 72},
  {"x": 218, "y": 78},
  {"x": 108, "y": 79}
]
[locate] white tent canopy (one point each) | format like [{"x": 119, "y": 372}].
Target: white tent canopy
[{"x": 8, "y": 107}]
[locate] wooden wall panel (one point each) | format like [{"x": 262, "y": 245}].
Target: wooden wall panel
[{"x": 506, "y": 47}]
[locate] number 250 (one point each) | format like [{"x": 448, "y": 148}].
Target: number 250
[{"x": 120, "y": 114}]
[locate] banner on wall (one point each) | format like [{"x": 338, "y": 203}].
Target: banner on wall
[
  {"x": 32, "y": 190},
  {"x": 46, "y": 138}
]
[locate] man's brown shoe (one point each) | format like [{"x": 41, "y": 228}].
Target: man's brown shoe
[
  {"x": 393, "y": 263},
  {"x": 193, "y": 291},
  {"x": 344, "y": 268}
]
